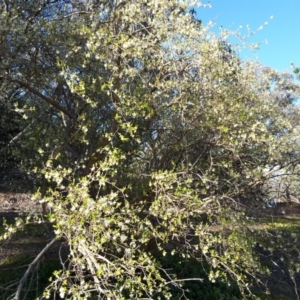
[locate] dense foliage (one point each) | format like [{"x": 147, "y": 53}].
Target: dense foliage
[{"x": 147, "y": 136}]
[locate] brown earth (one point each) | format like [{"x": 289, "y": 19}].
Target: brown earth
[{"x": 18, "y": 202}]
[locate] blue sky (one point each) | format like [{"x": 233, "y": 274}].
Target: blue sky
[{"x": 282, "y": 32}]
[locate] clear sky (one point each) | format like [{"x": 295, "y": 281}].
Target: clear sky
[{"x": 279, "y": 41}]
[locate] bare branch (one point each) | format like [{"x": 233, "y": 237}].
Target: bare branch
[
  {"x": 44, "y": 97},
  {"x": 31, "y": 266}
]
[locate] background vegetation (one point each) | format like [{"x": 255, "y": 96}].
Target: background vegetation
[{"x": 148, "y": 142}]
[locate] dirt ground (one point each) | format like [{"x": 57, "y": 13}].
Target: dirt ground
[{"x": 15, "y": 202}]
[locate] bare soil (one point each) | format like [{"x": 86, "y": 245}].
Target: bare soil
[{"x": 16, "y": 202}]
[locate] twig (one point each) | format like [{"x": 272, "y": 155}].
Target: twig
[
  {"x": 186, "y": 279},
  {"x": 295, "y": 286}
]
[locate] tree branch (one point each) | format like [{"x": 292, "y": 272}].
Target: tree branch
[
  {"x": 31, "y": 266},
  {"x": 36, "y": 92}
]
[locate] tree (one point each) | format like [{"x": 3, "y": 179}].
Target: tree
[{"x": 143, "y": 130}]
